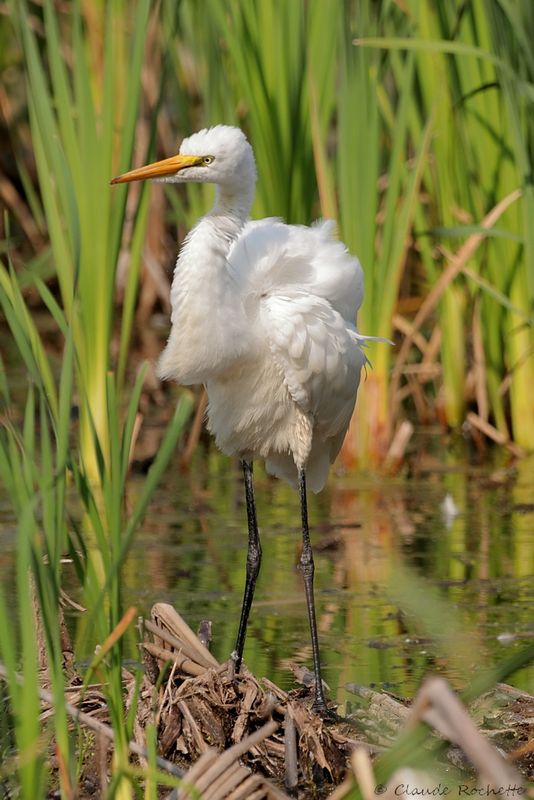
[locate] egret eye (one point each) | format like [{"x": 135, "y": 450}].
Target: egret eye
[{"x": 207, "y": 160}]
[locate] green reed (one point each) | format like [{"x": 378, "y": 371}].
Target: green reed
[
  {"x": 67, "y": 480},
  {"x": 83, "y": 115},
  {"x": 48, "y": 484},
  {"x": 475, "y": 70}
]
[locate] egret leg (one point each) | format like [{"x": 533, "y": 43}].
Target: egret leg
[
  {"x": 253, "y": 563},
  {"x": 307, "y": 568}
]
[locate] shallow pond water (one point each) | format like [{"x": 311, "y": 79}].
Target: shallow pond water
[{"x": 431, "y": 573}]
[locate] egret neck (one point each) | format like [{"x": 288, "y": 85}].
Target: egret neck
[{"x": 207, "y": 317}]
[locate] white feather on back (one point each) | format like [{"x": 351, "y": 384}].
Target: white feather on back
[{"x": 270, "y": 255}]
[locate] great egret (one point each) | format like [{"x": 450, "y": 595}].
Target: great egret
[{"x": 263, "y": 314}]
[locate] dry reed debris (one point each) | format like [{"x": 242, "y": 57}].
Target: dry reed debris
[{"x": 200, "y": 706}]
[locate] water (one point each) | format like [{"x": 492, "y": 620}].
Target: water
[{"x": 431, "y": 573}]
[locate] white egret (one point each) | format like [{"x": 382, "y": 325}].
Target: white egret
[{"x": 263, "y": 314}]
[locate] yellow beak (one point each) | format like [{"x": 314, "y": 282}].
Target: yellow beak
[{"x": 159, "y": 169}]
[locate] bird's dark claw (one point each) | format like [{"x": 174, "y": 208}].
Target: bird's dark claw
[{"x": 327, "y": 714}]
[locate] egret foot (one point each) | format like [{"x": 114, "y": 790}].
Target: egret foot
[{"x": 327, "y": 714}]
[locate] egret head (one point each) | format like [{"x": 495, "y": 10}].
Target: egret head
[{"x": 220, "y": 155}]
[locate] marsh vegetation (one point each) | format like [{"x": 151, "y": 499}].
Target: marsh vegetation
[{"x": 410, "y": 124}]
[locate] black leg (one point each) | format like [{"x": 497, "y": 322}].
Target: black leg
[
  {"x": 253, "y": 564},
  {"x": 306, "y": 566}
]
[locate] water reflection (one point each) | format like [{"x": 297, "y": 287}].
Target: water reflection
[
  {"x": 366, "y": 532},
  {"x": 192, "y": 548}
]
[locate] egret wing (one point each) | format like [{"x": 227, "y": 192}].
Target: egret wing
[
  {"x": 318, "y": 354},
  {"x": 300, "y": 291},
  {"x": 271, "y": 256}
]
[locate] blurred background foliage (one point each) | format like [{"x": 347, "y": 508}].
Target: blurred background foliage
[{"x": 408, "y": 122}]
